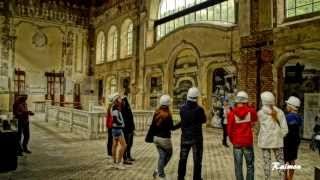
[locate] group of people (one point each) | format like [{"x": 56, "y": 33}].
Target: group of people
[
  {"x": 278, "y": 133},
  {"x": 21, "y": 113},
  {"x": 120, "y": 132},
  {"x": 192, "y": 117}
]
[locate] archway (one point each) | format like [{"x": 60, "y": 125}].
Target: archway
[
  {"x": 185, "y": 75},
  {"x": 222, "y": 84},
  {"x": 298, "y": 74}
]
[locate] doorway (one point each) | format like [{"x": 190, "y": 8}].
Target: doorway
[
  {"x": 301, "y": 78},
  {"x": 185, "y": 75}
]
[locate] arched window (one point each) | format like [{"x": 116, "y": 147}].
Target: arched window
[
  {"x": 100, "y": 48},
  {"x": 221, "y": 13},
  {"x": 112, "y": 44},
  {"x": 300, "y": 7},
  {"x": 113, "y": 86},
  {"x": 126, "y": 39},
  {"x": 130, "y": 40}
]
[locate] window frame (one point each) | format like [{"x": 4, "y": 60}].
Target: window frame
[
  {"x": 300, "y": 16},
  {"x": 112, "y": 45},
  {"x": 197, "y": 12},
  {"x": 100, "y": 47},
  {"x": 129, "y": 38}
]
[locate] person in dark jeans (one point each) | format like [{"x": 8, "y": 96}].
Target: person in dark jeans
[
  {"x": 128, "y": 128},
  {"x": 239, "y": 128},
  {"x": 21, "y": 112},
  {"x": 109, "y": 131},
  {"x": 192, "y": 118},
  {"x": 162, "y": 125},
  {"x": 109, "y": 143},
  {"x": 224, "y": 111}
]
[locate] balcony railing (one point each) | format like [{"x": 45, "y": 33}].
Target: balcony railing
[{"x": 92, "y": 123}]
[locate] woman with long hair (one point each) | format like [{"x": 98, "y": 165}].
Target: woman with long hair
[
  {"x": 273, "y": 128},
  {"x": 162, "y": 125},
  {"x": 117, "y": 131}
]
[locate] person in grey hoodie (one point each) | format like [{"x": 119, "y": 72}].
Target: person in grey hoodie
[{"x": 273, "y": 128}]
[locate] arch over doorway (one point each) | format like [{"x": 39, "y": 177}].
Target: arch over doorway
[
  {"x": 182, "y": 72},
  {"x": 183, "y": 48},
  {"x": 218, "y": 73},
  {"x": 297, "y": 73},
  {"x": 302, "y": 55}
]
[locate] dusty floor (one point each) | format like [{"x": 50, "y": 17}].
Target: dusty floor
[{"x": 59, "y": 154}]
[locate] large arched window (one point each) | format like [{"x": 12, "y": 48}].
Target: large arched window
[
  {"x": 100, "y": 48},
  {"x": 130, "y": 40},
  {"x": 126, "y": 39},
  {"x": 113, "y": 86},
  {"x": 300, "y": 7},
  {"x": 221, "y": 13},
  {"x": 112, "y": 44}
]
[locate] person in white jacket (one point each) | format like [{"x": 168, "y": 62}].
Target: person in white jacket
[{"x": 273, "y": 128}]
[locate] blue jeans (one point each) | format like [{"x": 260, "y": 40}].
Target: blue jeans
[
  {"x": 197, "y": 149},
  {"x": 238, "y": 153},
  {"x": 164, "y": 147}
]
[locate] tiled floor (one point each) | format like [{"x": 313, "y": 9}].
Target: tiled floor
[{"x": 58, "y": 154}]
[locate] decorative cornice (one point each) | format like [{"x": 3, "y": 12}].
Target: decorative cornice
[{"x": 54, "y": 12}]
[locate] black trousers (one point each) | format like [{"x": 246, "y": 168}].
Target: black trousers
[
  {"x": 224, "y": 140},
  {"x": 109, "y": 142},
  {"x": 128, "y": 136},
  {"x": 197, "y": 150},
  {"x": 23, "y": 130}
]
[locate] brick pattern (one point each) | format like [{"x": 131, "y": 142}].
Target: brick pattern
[
  {"x": 250, "y": 70},
  {"x": 248, "y": 73},
  {"x": 266, "y": 77}
]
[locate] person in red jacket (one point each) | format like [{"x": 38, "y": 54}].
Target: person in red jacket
[{"x": 239, "y": 129}]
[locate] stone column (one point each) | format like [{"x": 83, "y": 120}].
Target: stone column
[
  {"x": 141, "y": 62},
  {"x": 255, "y": 74},
  {"x": 7, "y": 40},
  {"x": 244, "y": 17},
  {"x": 265, "y": 15}
]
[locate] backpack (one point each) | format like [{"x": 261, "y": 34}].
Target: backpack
[{"x": 108, "y": 119}]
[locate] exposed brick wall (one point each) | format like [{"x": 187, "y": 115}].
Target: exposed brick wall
[
  {"x": 266, "y": 77},
  {"x": 252, "y": 67},
  {"x": 247, "y": 72}
]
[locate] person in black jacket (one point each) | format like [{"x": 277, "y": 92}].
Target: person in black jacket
[
  {"x": 128, "y": 128},
  {"x": 192, "y": 118},
  {"x": 162, "y": 124},
  {"x": 21, "y": 112}
]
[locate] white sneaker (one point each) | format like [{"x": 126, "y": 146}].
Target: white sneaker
[
  {"x": 114, "y": 165},
  {"x": 121, "y": 166},
  {"x": 155, "y": 174}
]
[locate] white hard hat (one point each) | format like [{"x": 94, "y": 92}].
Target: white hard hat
[
  {"x": 267, "y": 98},
  {"x": 242, "y": 97},
  {"x": 165, "y": 100},
  {"x": 114, "y": 97},
  {"x": 293, "y": 102},
  {"x": 193, "y": 94}
]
